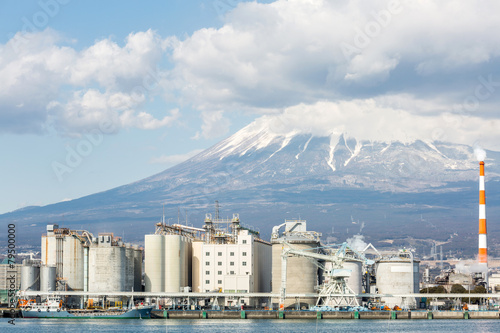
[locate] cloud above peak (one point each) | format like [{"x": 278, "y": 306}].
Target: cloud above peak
[
  {"x": 425, "y": 59},
  {"x": 309, "y": 50},
  {"x": 376, "y": 119}
]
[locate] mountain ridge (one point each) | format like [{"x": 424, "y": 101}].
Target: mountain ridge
[{"x": 268, "y": 177}]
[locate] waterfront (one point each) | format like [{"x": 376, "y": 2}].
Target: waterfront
[{"x": 289, "y": 326}]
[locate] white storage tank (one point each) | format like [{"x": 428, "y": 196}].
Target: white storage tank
[
  {"x": 174, "y": 262},
  {"x": 154, "y": 263},
  {"x": 47, "y": 278},
  {"x": 355, "y": 281},
  {"x": 196, "y": 266},
  {"x": 30, "y": 277},
  {"x": 397, "y": 275}
]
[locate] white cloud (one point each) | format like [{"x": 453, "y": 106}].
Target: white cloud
[
  {"x": 214, "y": 125},
  {"x": 378, "y": 119},
  {"x": 175, "y": 159},
  {"x": 266, "y": 57},
  {"x": 45, "y": 84},
  {"x": 288, "y": 52}
]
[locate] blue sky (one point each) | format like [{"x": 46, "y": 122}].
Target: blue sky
[{"x": 97, "y": 94}]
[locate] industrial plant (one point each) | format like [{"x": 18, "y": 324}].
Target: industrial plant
[{"x": 224, "y": 264}]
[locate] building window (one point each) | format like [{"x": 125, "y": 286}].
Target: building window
[
  {"x": 207, "y": 272},
  {"x": 207, "y": 281},
  {"x": 207, "y": 253},
  {"x": 244, "y": 263},
  {"x": 219, "y": 273},
  {"x": 231, "y": 254},
  {"x": 219, "y": 281},
  {"x": 244, "y": 254},
  {"x": 207, "y": 263},
  {"x": 231, "y": 263},
  {"x": 219, "y": 254},
  {"x": 231, "y": 273},
  {"x": 244, "y": 241},
  {"x": 219, "y": 263}
]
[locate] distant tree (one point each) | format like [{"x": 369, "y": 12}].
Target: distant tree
[
  {"x": 433, "y": 290},
  {"x": 458, "y": 289},
  {"x": 477, "y": 290}
]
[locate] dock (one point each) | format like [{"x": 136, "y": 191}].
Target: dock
[{"x": 319, "y": 315}]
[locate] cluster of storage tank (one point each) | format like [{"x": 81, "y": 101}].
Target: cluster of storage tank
[
  {"x": 113, "y": 266},
  {"x": 396, "y": 273},
  {"x": 37, "y": 278},
  {"x": 167, "y": 265}
]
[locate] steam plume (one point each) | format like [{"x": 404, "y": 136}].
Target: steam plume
[{"x": 479, "y": 153}]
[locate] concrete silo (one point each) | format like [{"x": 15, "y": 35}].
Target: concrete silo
[
  {"x": 30, "y": 277},
  {"x": 167, "y": 262},
  {"x": 154, "y": 266},
  {"x": 398, "y": 274},
  {"x": 47, "y": 278},
  {"x": 301, "y": 273}
]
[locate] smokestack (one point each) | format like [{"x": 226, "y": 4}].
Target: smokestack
[{"x": 483, "y": 248}]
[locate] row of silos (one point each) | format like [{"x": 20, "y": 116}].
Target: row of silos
[
  {"x": 167, "y": 266},
  {"x": 36, "y": 278},
  {"x": 64, "y": 251},
  {"x": 114, "y": 267}
]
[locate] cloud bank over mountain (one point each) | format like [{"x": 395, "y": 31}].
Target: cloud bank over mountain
[{"x": 402, "y": 67}]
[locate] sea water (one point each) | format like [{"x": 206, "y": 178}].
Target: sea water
[{"x": 248, "y": 325}]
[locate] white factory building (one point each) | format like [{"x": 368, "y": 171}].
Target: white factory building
[{"x": 242, "y": 266}]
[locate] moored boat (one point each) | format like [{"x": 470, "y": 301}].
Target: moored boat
[{"x": 52, "y": 308}]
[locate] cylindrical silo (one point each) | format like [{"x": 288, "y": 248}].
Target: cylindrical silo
[
  {"x": 189, "y": 259},
  {"x": 72, "y": 263},
  {"x": 301, "y": 273},
  {"x": 196, "y": 266},
  {"x": 47, "y": 278},
  {"x": 30, "y": 277},
  {"x": 137, "y": 269},
  {"x": 355, "y": 281},
  {"x": 173, "y": 263},
  {"x": 154, "y": 263},
  {"x": 182, "y": 262},
  {"x": 397, "y": 276}
]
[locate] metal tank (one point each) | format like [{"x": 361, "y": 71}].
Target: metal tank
[
  {"x": 301, "y": 274},
  {"x": 398, "y": 275},
  {"x": 154, "y": 263},
  {"x": 30, "y": 278},
  {"x": 47, "y": 278}
]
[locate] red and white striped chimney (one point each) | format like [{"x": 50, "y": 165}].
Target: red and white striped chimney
[{"x": 483, "y": 247}]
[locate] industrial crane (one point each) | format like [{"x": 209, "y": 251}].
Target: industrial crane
[{"x": 335, "y": 292}]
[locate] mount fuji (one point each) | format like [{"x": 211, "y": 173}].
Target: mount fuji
[{"x": 395, "y": 193}]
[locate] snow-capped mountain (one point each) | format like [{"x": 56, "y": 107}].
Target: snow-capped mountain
[{"x": 335, "y": 182}]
